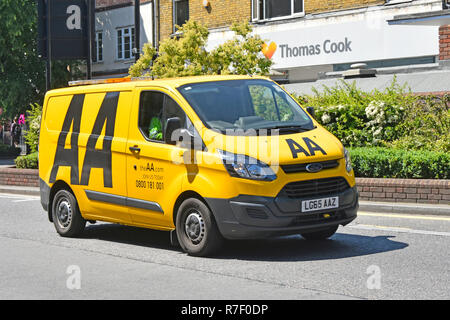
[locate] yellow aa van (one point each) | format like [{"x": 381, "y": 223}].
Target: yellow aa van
[{"x": 207, "y": 158}]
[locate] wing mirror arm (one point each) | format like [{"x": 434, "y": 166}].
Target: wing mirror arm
[
  {"x": 173, "y": 133},
  {"x": 311, "y": 111}
]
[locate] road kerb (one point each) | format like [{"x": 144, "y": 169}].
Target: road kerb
[
  {"x": 21, "y": 190},
  {"x": 410, "y": 208},
  {"x": 369, "y": 206}
]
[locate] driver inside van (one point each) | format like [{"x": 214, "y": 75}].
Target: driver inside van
[{"x": 155, "y": 129}]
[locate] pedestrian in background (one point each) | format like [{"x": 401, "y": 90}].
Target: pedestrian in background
[{"x": 16, "y": 131}]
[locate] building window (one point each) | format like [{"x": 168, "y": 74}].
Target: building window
[
  {"x": 276, "y": 9},
  {"x": 125, "y": 42},
  {"x": 180, "y": 13},
  {"x": 97, "y": 55}
]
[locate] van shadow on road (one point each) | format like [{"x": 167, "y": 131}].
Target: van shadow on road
[{"x": 288, "y": 248}]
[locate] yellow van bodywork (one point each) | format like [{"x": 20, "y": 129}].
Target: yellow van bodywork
[{"x": 144, "y": 189}]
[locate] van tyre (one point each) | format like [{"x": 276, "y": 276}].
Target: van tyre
[
  {"x": 66, "y": 214},
  {"x": 320, "y": 235},
  {"x": 196, "y": 229}
]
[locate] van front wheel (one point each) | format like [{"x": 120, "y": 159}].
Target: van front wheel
[
  {"x": 66, "y": 214},
  {"x": 196, "y": 229}
]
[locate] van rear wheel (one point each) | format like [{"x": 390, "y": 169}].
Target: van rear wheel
[
  {"x": 66, "y": 214},
  {"x": 320, "y": 235},
  {"x": 196, "y": 229}
]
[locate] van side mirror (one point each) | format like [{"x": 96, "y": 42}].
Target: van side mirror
[
  {"x": 311, "y": 111},
  {"x": 172, "y": 124}
]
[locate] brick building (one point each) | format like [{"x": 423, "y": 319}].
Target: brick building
[{"x": 313, "y": 38}]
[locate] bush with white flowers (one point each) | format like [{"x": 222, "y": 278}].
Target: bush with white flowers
[{"x": 393, "y": 117}]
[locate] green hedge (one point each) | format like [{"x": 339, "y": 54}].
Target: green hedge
[
  {"x": 396, "y": 163},
  {"x": 29, "y": 161},
  {"x": 8, "y": 151},
  {"x": 393, "y": 117}
]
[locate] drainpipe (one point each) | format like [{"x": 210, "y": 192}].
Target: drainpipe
[
  {"x": 137, "y": 29},
  {"x": 156, "y": 23}
]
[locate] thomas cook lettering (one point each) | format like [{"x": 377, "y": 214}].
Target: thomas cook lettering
[{"x": 327, "y": 47}]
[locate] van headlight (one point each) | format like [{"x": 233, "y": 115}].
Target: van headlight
[
  {"x": 242, "y": 166},
  {"x": 348, "y": 161}
]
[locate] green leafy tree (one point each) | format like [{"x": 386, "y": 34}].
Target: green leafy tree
[
  {"x": 34, "y": 123},
  {"x": 186, "y": 54},
  {"x": 22, "y": 72}
]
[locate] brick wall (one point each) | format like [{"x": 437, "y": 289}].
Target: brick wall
[
  {"x": 371, "y": 189},
  {"x": 316, "y": 6},
  {"x": 220, "y": 13},
  {"x": 444, "y": 43},
  {"x": 19, "y": 177},
  {"x": 165, "y": 18},
  {"x": 404, "y": 190}
]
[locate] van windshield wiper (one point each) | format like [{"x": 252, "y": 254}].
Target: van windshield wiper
[{"x": 289, "y": 128}]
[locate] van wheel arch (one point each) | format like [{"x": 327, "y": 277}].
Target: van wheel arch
[
  {"x": 186, "y": 195},
  {"x": 58, "y": 185}
]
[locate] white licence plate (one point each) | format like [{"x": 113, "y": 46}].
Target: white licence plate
[{"x": 320, "y": 204}]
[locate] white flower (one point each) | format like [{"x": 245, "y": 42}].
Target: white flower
[
  {"x": 377, "y": 132},
  {"x": 326, "y": 118},
  {"x": 374, "y": 108}
]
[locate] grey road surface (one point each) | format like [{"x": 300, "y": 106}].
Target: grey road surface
[{"x": 378, "y": 256}]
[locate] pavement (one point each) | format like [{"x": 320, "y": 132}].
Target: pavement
[
  {"x": 369, "y": 206},
  {"x": 6, "y": 163},
  {"x": 377, "y": 256}
]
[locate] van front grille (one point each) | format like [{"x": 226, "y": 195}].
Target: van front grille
[
  {"x": 256, "y": 213},
  {"x": 315, "y": 188},
  {"x": 301, "y": 167}
]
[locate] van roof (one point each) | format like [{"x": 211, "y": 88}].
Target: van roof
[{"x": 142, "y": 82}]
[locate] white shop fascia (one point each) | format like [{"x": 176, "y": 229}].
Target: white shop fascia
[{"x": 317, "y": 43}]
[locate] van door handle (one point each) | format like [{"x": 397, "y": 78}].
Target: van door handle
[{"x": 135, "y": 149}]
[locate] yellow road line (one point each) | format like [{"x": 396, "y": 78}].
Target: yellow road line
[
  {"x": 398, "y": 229},
  {"x": 381, "y": 227},
  {"x": 404, "y": 216}
]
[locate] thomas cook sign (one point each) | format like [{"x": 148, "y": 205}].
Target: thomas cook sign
[
  {"x": 303, "y": 44},
  {"x": 67, "y": 28},
  {"x": 327, "y": 47}
]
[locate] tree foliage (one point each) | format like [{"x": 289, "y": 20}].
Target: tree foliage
[
  {"x": 34, "y": 123},
  {"x": 186, "y": 55},
  {"x": 22, "y": 72}
]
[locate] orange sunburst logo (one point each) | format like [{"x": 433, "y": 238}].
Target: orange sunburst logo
[{"x": 269, "y": 50}]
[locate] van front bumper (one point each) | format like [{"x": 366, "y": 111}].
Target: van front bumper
[{"x": 253, "y": 217}]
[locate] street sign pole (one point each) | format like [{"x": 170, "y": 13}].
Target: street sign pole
[
  {"x": 49, "y": 48},
  {"x": 89, "y": 37},
  {"x": 137, "y": 29}
]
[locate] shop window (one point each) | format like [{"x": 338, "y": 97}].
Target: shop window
[
  {"x": 276, "y": 9},
  {"x": 387, "y": 63}
]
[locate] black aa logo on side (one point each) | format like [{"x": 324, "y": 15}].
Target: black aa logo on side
[{"x": 94, "y": 158}]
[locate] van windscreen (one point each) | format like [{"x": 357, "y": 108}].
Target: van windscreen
[{"x": 245, "y": 104}]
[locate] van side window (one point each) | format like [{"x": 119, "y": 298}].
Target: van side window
[{"x": 154, "y": 110}]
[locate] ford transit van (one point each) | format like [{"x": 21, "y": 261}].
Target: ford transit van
[{"x": 207, "y": 158}]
